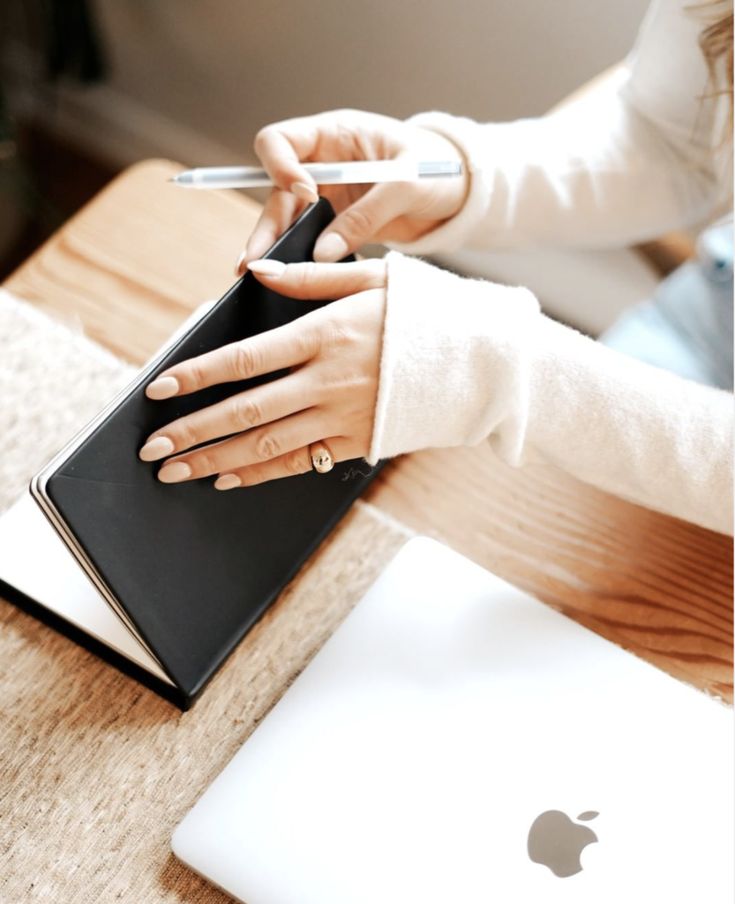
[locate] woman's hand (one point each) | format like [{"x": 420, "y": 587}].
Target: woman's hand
[
  {"x": 399, "y": 211},
  {"x": 329, "y": 394}
]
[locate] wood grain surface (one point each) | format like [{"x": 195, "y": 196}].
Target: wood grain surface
[
  {"x": 132, "y": 264},
  {"x": 141, "y": 255}
]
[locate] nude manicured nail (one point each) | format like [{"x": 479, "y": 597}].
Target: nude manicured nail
[
  {"x": 331, "y": 247},
  {"x": 227, "y": 482},
  {"x": 156, "y": 448},
  {"x": 240, "y": 266},
  {"x": 267, "y": 268},
  {"x": 162, "y": 388},
  {"x": 304, "y": 192},
  {"x": 175, "y": 472}
]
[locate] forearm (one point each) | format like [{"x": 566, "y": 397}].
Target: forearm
[
  {"x": 636, "y": 157},
  {"x": 464, "y": 360},
  {"x": 533, "y": 184},
  {"x": 634, "y": 430}
]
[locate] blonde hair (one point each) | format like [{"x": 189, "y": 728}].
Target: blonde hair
[{"x": 715, "y": 40}]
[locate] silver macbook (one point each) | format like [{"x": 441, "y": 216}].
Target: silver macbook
[{"x": 458, "y": 742}]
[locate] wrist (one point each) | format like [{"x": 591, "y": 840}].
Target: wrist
[
  {"x": 472, "y": 196},
  {"x": 452, "y": 191},
  {"x": 451, "y": 350}
]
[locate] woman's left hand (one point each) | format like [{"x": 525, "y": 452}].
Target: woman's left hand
[{"x": 329, "y": 394}]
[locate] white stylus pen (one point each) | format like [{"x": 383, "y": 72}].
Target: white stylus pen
[{"x": 347, "y": 173}]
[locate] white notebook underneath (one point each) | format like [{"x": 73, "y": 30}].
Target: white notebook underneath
[
  {"x": 35, "y": 560},
  {"x": 457, "y": 742}
]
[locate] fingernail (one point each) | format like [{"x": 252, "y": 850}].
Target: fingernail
[
  {"x": 175, "y": 472},
  {"x": 331, "y": 247},
  {"x": 162, "y": 388},
  {"x": 156, "y": 448},
  {"x": 267, "y": 267},
  {"x": 304, "y": 192},
  {"x": 227, "y": 482},
  {"x": 240, "y": 265}
]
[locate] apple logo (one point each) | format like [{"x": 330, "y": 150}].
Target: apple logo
[{"x": 554, "y": 840}]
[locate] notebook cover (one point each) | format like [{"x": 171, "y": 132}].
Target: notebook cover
[{"x": 195, "y": 568}]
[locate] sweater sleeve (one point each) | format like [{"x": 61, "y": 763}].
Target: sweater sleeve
[
  {"x": 635, "y": 157},
  {"x": 464, "y": 360}
]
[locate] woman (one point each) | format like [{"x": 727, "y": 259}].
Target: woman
[{"x": 411, "y": 356}]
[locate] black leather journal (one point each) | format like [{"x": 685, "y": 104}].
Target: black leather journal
[{"x": 187, "y": 568}]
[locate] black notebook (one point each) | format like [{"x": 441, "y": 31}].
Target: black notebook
[{"x": 188, "y": 569}]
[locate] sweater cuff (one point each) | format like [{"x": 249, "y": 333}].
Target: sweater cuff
[
  {"x": 452, "y": 234},
  {"x": 446, "y": 339}
]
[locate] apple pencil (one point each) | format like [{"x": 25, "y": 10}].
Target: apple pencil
[{"x": 346, "y": 173}]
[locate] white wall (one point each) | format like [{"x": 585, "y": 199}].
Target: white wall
[{"x": 196, "y": 80}]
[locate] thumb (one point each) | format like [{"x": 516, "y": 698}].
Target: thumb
[{"x": 361, "y": 222}]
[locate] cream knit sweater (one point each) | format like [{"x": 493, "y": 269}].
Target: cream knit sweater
[{"x": 464, "y": 360}]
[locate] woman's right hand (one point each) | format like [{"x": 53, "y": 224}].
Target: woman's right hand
[{"x": 398, "y": 211}]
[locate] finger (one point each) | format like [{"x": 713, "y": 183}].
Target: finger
[
  {"x": 243, "y": 411},
  {"x": 281, "y": 147},
  {"x": 283, "y": 347},
  {"x": 311, "y": 281},
  {"x": 254, "y": 447},
  {"x": 361, "y": 222},
  {"x": 279, "y": 212},
  {"x": 289, "y": 465}
]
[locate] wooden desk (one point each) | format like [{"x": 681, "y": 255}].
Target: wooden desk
[
  {"x": 134, "y": 262},
  {"x": 141, "y": 255}
]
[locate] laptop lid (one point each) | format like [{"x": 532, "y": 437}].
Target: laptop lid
[{"x": 457, "y": 741}]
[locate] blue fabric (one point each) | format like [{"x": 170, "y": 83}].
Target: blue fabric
[{"x": 687, "y": 327}]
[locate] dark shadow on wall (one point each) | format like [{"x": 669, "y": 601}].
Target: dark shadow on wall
[{"x": 43, "y": 179}]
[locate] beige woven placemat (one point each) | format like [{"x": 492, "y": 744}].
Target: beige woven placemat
[{"x": 95, "y": 770}]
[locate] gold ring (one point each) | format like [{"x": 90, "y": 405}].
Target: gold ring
[{"x": 321, "y": 458}]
